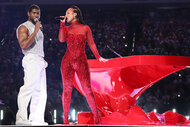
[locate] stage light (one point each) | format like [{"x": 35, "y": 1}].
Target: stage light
[
  {"x": 55, "y": 116},
  {"x": 155, "y": 110},
  {"x": 74, "y": 114},
  {"x": 178, "y": 95},
  {"x": 50, "y": 39},
  {"x": 54, "y": 120},
  {"x": 69, "y": 117},
  {"x": 123, "y": 37},
  {"x": 125, "y": 45},
  {"x": 174, "y": 110},
  {"x": 187, "y": 117},
  {"x": 179, "y": 75},
  {"x": 55, "y": 113},
  {"x": 2, "y": 114}
]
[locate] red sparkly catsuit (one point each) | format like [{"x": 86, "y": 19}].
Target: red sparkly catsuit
[{"x": 75, "y": 60}]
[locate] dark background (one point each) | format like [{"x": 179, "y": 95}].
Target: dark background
[{"x": 153, "y": 27}]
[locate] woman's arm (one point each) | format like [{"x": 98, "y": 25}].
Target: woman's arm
[
  {"x": 62, "y": 32},
  {"x": 91, "y": 43}
]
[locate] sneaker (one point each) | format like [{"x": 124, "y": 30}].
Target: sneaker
[
  {"x": 27, "y": 123},
  {"x": 39, "y": 123}
]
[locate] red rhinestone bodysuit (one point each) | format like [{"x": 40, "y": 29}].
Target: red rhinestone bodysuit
[{"x": 76, "y": 35}]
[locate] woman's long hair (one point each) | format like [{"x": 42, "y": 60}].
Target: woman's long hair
[{"x": 79, "y": 14}]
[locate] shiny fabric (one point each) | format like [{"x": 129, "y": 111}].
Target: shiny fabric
[
  {"x": 75, "y": 60},
  {"x": 119, "y": 82}
]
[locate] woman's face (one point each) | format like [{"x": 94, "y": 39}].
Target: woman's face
[{"x": 70, "y": 15}]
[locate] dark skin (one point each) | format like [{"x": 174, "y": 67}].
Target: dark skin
[{"x": 24, "y": 39}]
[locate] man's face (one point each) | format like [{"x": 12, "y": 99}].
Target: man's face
[
  {"x": 35, "y": 13},
  {"x": 70, "y": 15}
]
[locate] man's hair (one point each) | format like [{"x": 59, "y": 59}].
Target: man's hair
[{"x": 33, "y": 6}]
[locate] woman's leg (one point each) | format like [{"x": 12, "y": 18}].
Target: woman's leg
[
  {"x": 67, "y": 77},
  {"x": 84, "y": 77}
]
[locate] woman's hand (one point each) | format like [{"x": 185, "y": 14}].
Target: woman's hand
[
  {"x": 63, "y": 19},
  {"x": 101, "y": 59}
]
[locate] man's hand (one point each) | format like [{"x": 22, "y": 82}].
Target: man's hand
[{"x": 38, "y": 25}]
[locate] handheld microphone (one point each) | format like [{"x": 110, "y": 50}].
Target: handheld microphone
[
  {"x": 36, "y": 20},
  {"x": 59, "y": 18}
]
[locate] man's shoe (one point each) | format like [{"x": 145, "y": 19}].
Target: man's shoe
[
  {"x": 27, "y": 123},
  {"x": 39, "y": 123}
]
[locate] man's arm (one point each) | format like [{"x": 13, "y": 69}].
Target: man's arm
[{"x": 23, "y": 37}]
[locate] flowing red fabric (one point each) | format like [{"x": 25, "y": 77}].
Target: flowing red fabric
[{"x": 119, "y": 82}]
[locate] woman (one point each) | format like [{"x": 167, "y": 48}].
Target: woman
[{"x": 75, "y": 59}]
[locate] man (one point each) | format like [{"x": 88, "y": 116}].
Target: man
[{"x": 31, "y": 38}]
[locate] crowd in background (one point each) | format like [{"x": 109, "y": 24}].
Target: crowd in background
[{"x": 160, "y": 33}]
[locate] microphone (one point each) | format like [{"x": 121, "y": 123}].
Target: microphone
[
  {"x": 36, "y": 20},
  {"x": 59, "y": 18}
]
